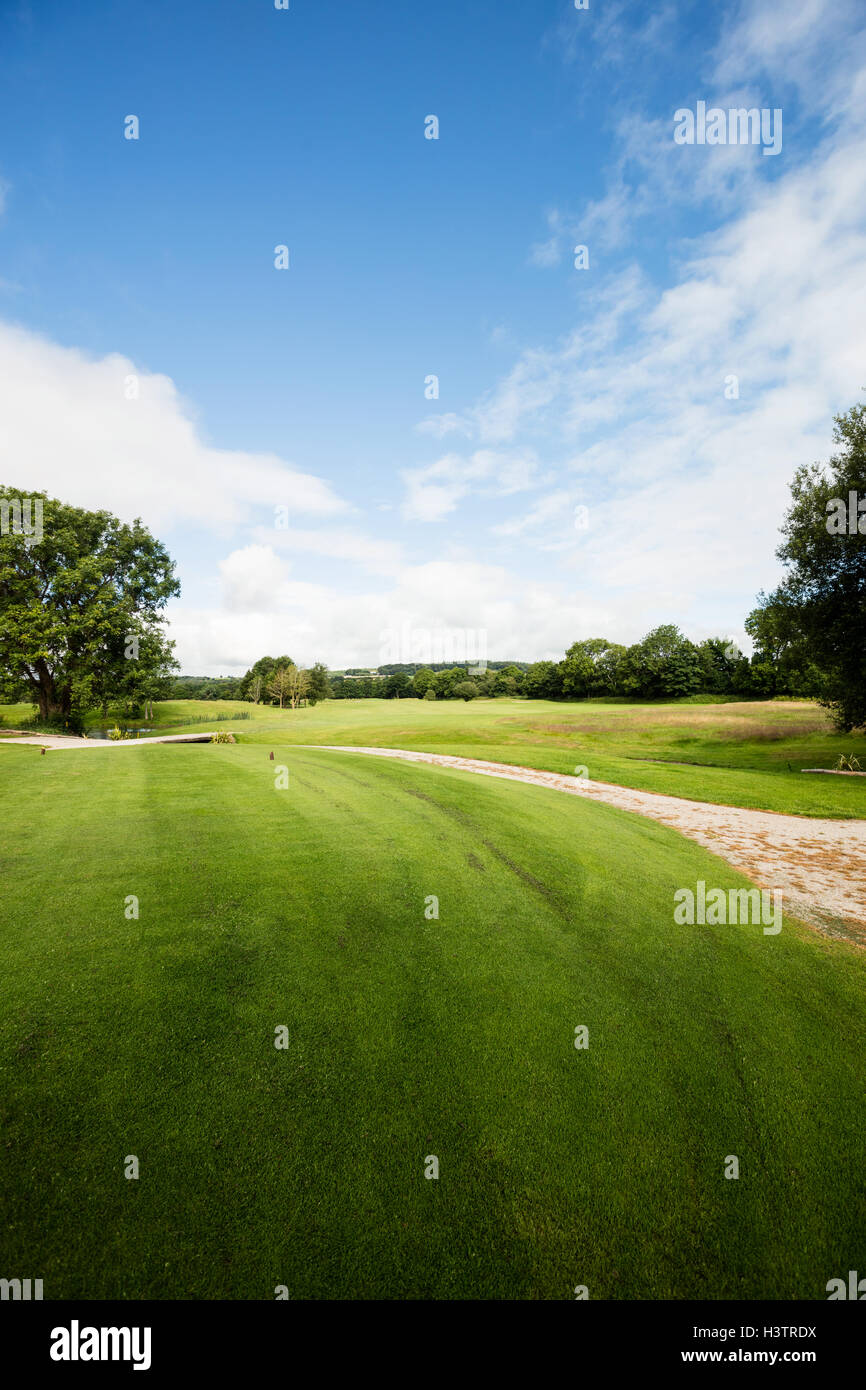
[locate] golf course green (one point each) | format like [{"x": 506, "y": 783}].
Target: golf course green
[{"x": 169, "y": 911}]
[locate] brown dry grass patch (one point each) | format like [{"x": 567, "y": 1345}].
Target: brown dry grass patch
[{"x": 741, "y": 722}]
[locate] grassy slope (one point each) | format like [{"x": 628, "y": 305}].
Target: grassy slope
[{"x": 408, "y": 1037}]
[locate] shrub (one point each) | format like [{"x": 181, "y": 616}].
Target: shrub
[
  {"x": 57, "y": 724},
  {"x": 431, "y": 694},
  {"x": 466, "y": 690},
  {"x": 223, "y": 737}
]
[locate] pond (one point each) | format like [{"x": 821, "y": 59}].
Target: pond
[{"x": 127, "y": 733}]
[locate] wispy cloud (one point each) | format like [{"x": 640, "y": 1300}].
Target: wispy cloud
[
  {"x": 688, "y": 419},
  {"x": 434, "y": 491}
]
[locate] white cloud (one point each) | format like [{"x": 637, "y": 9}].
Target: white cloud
[
  {"x": 431, "y": 494},
  {"x": 253, "y": 579},
  {"x": 67, "y": 427},
  {"x": 766, "y": 53},
  {"x": 816, "y": 47}
]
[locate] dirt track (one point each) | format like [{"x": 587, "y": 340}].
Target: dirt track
[{"x": 819, "y": 865}]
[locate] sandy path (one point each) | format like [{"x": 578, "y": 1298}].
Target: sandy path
[
  {"x": 54, "y": 741},
  {"x": 819, "y": 865}
]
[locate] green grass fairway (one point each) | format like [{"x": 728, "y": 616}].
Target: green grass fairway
[
  {"x": 734, "y": 754},
  {"x": 737, "y": 754},
  {"x": 408, "y": 1037}
]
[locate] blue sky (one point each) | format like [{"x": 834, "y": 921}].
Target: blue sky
[{"x": 602, "y": 388}]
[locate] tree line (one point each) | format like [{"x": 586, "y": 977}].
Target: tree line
[{"x": 664, "y": 665}]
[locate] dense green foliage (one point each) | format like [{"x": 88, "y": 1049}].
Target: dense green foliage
[
  {"x": 664, "y": 665},
  {"x": 466, "y": 690},
  {"x": 817, "y": 615},
  {"x": 206, "y": 688},
  {"x": 399, "y": 681},
  {"x": 81, "y": 610}
]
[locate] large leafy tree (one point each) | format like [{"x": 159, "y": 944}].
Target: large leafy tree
[
  {"x": 592, "y": 666},
  {"x": 781, "y": 663},
  {"x": 81, "y": 609},
  {"x": 398, "y": 686},
  {"x": 818, "y": 612},
  {"x": 318, "y": 683},
  {"x": 664, "y": 665}
]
